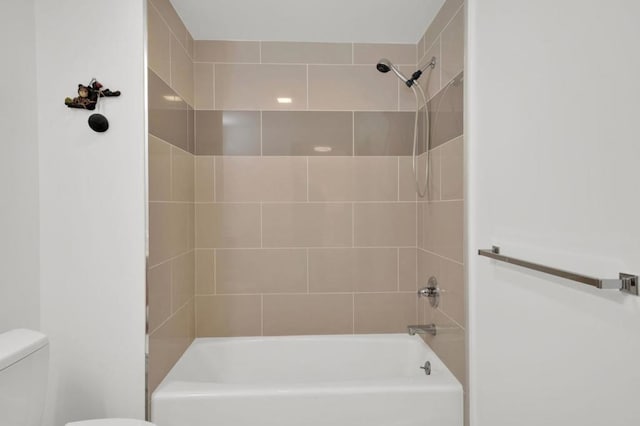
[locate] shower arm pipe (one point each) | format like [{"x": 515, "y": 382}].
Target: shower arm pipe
[{"x": 416, "y": 75}]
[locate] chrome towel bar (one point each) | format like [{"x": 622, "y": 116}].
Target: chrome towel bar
[{"x": 626, "y": 282}]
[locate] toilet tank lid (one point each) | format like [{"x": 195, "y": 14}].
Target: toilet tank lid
[{"x": 19, "y": 343}]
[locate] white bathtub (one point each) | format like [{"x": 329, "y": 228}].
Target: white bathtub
[{"x": 362, "y": 380}]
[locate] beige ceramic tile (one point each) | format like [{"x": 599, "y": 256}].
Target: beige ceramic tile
[
  {"x": 205, "y": 271},
  {"x": 261, "y": 179},
  {"x": 306, "y": 225},
  {"x": 433, "y": 185},
  {"x": 261, "y": 271},
  {"x": 449, "y": 345},
  {"x": 451, "y": 281},
  {"x": 250, "y": 87},
  {"x": 443, "y": 228},
  {"x": 385, "y": 224},
  {"x": 307, "y": 314},
  {"x": 191, "y": 127},
  {"x": 420, "y": 48},
  {"x": 228, "y": 133},
  {"x": 447, "y": 11},
  {"x": 167, "y": 113},
  {"x": 384, "y": 312},
  {"x": 371, "y": 53},
  {"x": 203, "y": 85},
  {"x": 305, "y": 53},
  {"x": 227, "y": 51},
  {"x": 453, "y": 47},
  {"x": 158, "y": 41},
  {"x": 159, "y": 170},
  {"x": 228, "y": 316},
  {"x": 159, "y": 291},
  {"x": 452, "y": 160},
  {"x": 166, "y": 10},
  {"x": 349, "y": 269},
  {"x": 227, "y": 225},
  {"x": 353, "y": 178},
  {"x": 169, "y": 342},
  {"x": 358, "y": 87},
  {"x": 181, "y": 71},
  {"x": 159, "y": 232},
  {"x": 383, "y": 133},
  {"x": 182, "y": 177},
  {"x": 446, "y": 113},
  {"x": 407, "y": 269},
  {"x": 407, "y": 184},
  {"x": 307, "y": 133},
  {"x": 204, "y": 178},
  {"x": 190, "y": 45},
  {"x": 183, "y": 280}
]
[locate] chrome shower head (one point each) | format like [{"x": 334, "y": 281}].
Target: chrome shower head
[{"x": 384, "y": 66}]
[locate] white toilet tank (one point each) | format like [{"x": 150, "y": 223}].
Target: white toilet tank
[{"x": 24, "y": 358}]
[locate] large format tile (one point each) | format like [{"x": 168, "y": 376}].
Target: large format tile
[
  {"x": 181, "y": 71},
  {"x": 182, "y": 176},
  {"x": 227, "y": 51},
  {"x": 371, "y": 53},
  {"x": 306, "y": 225},
  {"x": 353, "y": 179},
  {"x": 167, "y": 113},
  {"x": 159, "y": 170},
  {"x": 169, "y": 14},
  {"x": 384, "y": 312},
  {"x": 442, "y": 227},
  {"x": 261, "y": 271},
  {"x": 227, "y": 225},
  {"x": 452, "y": 165},
  {"x": 274, "y": 52},
  {"x": 446, "y": 113},
  {"x": 205, "y": 271},
  {"x": 447, "y": 11},
  {"x": 226, "y": 316},
  {"x": 158, "y": 41},
  {"x": 203, "y": 86},
  {"x": 357, "y": 87},
  {"x": 453, "y": 47},
  {"x": 385, "y": 224},
  {"x": 182, "y": 280},
  {"x": 159, "y": 294},
  {"x": 261, "y": 179},
  {"x": 383, "y": 133},
  {"x": 204, "y": 185},
  {"x": 227, "y": 133},
  {"x": 307, "y": 133},
  {"x": 170, "y": 230},
  {"x": 255, "y": 86},
  {"x": 349, "y": 269},
  {"x": 307, "y": 314}
]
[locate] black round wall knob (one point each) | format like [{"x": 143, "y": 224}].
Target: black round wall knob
[{"x": 98, "y": 123}]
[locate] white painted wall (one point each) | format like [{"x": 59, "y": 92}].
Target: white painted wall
[
  {"x": 553, "y": 104},
  {"x": 92, "y": 203},
  {"x": 19, "y": 220}
]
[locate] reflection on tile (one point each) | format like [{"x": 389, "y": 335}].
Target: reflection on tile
[
  {"x": 307, "y": 314},
  {"x": 301, "y": 132},
  {"x": 167, "y": 113},
  {"x": 261, "y": 179},
  {"x": 384, "y": 133},
  {"x": 384, "y": 313},
  {"x": 385, "y": 224},
  {"x": 203, "y": 85},
  {"x": 158, "y": 39},
  {"x": 453, "y": 47},
  {"x": 255, "y": 86},
  {"x": 305, "y": 53},
  {"x": 227, "y": 133},
  {"x": 306, "y": 225},
  {"x": 370, "y": 53},
  {"x": 352, "y": 269},
  {"x": 261, "y": 271},
  {"x": 225, "y": 316},
  {"x": 357, "y": 87},
  {"x": 227, "y": 51},
  {"x": 227, "y": 225},
  {"x": 353, "y": 179},
  {"x": 446, "y": 113}
]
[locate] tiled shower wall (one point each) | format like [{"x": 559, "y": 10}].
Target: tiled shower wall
[
  {"x": 440, "y": 214},
  {"x": 171, "y": 261},
  {"x": 305, "y": 212}
]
